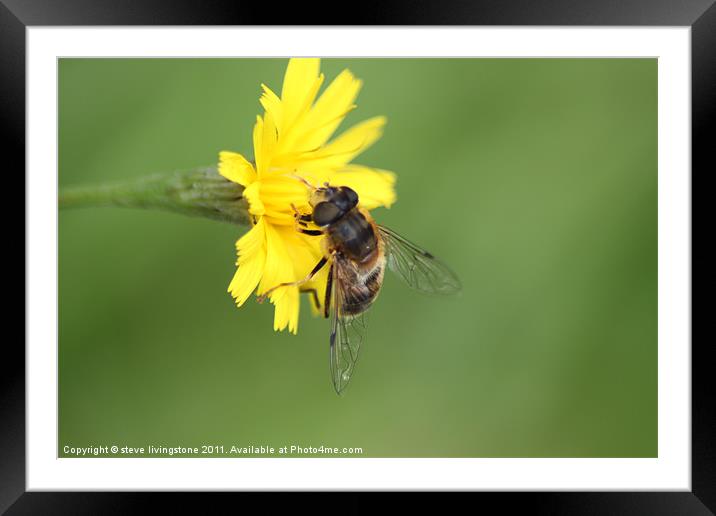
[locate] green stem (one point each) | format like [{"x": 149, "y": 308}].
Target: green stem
[{"x": 199, "y": 192}]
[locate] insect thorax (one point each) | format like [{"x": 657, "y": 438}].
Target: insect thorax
[{"x": 354, "y": 236}]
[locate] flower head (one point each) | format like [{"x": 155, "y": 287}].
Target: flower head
[{"x": 292, "y": 141}]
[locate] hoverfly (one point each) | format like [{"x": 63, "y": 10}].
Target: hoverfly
[{"x": 357, "y": 251}]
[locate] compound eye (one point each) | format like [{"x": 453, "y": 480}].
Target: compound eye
[
  {"x": 351, "y": 196},
  {"x": 325, "y": 213}
]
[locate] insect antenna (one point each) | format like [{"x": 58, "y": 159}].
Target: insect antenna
[{"x": 304, "y": 181}]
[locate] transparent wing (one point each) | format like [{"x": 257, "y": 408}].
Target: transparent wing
[
  {"x": 348, "y": 332},
  {"x": 417, "y": 267}
]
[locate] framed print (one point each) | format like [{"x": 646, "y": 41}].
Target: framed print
[{"x": 453, "y": 255}]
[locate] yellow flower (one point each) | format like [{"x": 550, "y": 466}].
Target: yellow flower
[{"x": 291, "y": 141}]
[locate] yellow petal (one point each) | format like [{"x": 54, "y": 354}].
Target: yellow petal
[
  {"x": 258, "y": 145},
  {"x": 286, "y": 310},
  {"x": 329, "y": 111},
  {"x": 236, "y": 168},
  {"x": 265, "y": 139},
  {"x": 374, "y": 187},
  {"x": 252, "y": 193},
  {"x": 279, "y": 269},
  {"x": 252, "y": 256},
  {"x": 272, "y": 104},
  {"x": 294, "y": 129},
  {"x": 278, "y": 193},
  {"x": 299, "y": 88},
  {"x": 269, "y": 139},
  {"x": 345, "y": 147},
  {"x": 306, "y": 252}
]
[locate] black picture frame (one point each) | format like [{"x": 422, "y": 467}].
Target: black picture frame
[{"x": 700, "y": 15}]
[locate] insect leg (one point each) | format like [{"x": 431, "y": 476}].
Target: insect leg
[
  {"x": 301, "y": 219},
  {"x": 311, "y": 274},
  {"x": 327, "y": 302},
  {"x": 314, "y": 293},
  {"x": 311, "y": 232}
]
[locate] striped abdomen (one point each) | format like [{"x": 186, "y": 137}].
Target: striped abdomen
[{"x": 360, "y": 285}]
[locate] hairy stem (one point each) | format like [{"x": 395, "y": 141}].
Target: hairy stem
[{"x": 200, "y": 192}]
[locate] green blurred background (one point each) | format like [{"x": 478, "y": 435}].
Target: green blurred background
[{"x": 535, "y": 179}]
